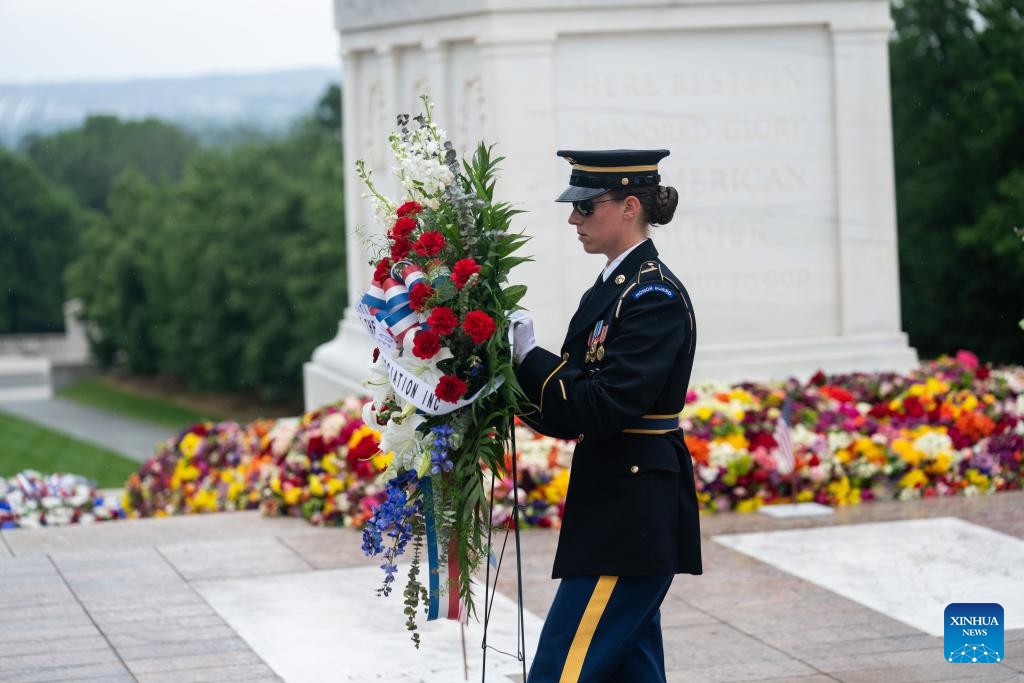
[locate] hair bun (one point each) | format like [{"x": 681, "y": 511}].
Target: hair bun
[{"x": 664, "y": 205}]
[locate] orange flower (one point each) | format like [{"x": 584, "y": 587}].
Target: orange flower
[
  {"x": 975, "y": 426},
  {"x": 698, "y": 448}
]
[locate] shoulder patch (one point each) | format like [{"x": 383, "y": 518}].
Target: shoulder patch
[{"x": 653, "y": 288}]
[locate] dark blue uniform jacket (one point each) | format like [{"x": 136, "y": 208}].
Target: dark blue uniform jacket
[{"x": 631, "y": 508}]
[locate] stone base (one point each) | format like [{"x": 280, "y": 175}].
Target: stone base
[
  {"x": 25, "y": 379},
  {"x": 338, "y": 367},
  {"x": 801, "y": 358}
]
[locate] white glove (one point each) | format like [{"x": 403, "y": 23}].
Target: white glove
[{"x": 523, "y": 340}]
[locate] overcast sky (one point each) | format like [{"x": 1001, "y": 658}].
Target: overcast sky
[{"x": 64, "y": 40}]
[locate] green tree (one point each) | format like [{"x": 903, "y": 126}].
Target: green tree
[
  {"x": 958, "y": 110},
  {"x": 89, "y": 158},
  {"x": 230, "y": 276},
  {"x": 37, "y": 231},
  {"x": 117, "y": 278}
]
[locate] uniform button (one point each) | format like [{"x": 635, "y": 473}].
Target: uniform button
[
  {"x": 634, "y": 469},
  {"x": 579, "y": 439},
  {"x": 565, "y": 356}
]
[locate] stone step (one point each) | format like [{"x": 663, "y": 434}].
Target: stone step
[{"x": 25, "y": 379}]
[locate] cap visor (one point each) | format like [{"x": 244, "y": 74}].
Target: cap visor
[{"x": 578, "y": 194}]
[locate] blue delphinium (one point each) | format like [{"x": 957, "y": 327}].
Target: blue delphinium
[
  {"x": 393, "y": 519},
  {"x": 440, "y": 449}
]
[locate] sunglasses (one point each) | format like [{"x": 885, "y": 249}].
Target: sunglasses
[{"x": 586, "y": 206}]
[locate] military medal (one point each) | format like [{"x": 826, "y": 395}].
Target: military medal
[{"x": 595, "y": 345}]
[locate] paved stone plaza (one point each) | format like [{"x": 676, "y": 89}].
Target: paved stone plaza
[{"x": 236, "y": 596}]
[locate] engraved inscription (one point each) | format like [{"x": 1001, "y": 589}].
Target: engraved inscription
[
  {"x": 722, "y": 285},
  {"x": 472, "y": 114}
]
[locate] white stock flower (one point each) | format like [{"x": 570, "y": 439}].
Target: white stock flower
[
  {"x": 332, "y": 425},
  {"x": 837, "y": 441},
  {"x": 708, "y": 474},
  {"x": 804, "y": 436},
  {"x": 721, "y": 453},
  {"x": 933, "y": 443}
]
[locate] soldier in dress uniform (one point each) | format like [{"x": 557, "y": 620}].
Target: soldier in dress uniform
[{"x": 617, "y": 387}]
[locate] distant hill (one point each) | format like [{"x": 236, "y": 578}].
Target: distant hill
[{"x": 206, "y": 105}]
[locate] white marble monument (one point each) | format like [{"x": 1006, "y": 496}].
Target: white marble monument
[{"x": 777, "y": 115}]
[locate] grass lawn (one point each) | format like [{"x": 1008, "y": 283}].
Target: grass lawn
[
  {"x": 95, "y": 392},
  {"x": 26, "y": 446}
]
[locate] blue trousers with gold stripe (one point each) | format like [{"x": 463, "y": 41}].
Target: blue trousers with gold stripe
[{"x": 603, "y": 628}]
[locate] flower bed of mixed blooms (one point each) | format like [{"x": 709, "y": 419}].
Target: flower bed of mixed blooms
[
  {"x": 30, "y": 499},
  {"x": 952, "y": 427}
]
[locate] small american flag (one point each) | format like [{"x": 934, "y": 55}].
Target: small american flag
[{"x": 784, "y": 438}]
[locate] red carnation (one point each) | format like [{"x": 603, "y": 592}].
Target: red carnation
[
  {"x": 913, "y": 407},
  {"x": 421, "y": 292},
  {"x": 400, "y": 249},
  {"x": 838, "y": 393},
  {"x": 479, "y": 326},
  {"x": 443, "y": 321},
  {"x": 450, "y": 388},
  {"x": 429, "y": 243},
  {"x": 409, "y": 208},
  {"x": 403, "y": 227},
  {"x": 463, "y": 270},
  {"x": 426, "y": 344},
  {"x": 382, "y": 271},
  {"x": 762, "y": 440}
]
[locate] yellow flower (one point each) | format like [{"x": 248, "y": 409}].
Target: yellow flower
[
  {"x": 977, "y": 479},
  {"x": 705, "y": 412},
  {"x": 330, "y": 463},
  {"x": 737, "y": 441},
  {"x": 292, "y": 495},
  {"x": 275, "y": 485},
  {"x": 905, "y": 449},
  {"x": 335, "y": 486},
  {"x": 738, "y": 394},
  {"x": 204, "y": 500},
  {"x": 557, "y": 488},
  {"x": 382, "y": 460},
  {"x": 235, "y": 490},
  {"x": 940, "y": 463},
  {"x": 804, "y": 497},
  {"x": 843, "y": 493},
  {"x": 189, "y": 444},
  {"x": 866, "y": 448},
  {"x": 844, "y": 456},
  {"x": 749, "y": 505},
  {"x": 363, "y": 432},
  {"x": 913, "y": 479},
  {"x": 916, "y": 390},
  {"x": 316, "y": 487},
  {"x": 126, "y": 501}
]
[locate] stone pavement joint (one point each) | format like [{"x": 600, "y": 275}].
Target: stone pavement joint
[{"x": 78, "y": 600}]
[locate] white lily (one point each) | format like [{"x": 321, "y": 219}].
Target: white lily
[{"x": 400, "y": 436}]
